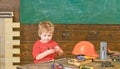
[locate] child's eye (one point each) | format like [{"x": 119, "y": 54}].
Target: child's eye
[
  {"x": 49, "y": 35},
  {"x": 44, "y": 35}
]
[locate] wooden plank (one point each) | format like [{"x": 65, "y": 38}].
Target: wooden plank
[
  {"x": 16, "y": 51},
  {"x": 15, "y": 25},
  {"x": 15, "y": 42},
  {"x": 16, "y": 33},
  {"x": 6, "y": 14},
  {"x": 8, "y": 20},
  {"x": 16, "y": 59}
]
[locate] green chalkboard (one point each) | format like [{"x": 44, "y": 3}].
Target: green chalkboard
[{"x": 70, "y": 11}]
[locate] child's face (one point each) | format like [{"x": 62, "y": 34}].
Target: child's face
[{"x": 46, "y": 37}]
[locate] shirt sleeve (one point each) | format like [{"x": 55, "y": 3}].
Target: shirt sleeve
[{"x": 36, "y": 50}]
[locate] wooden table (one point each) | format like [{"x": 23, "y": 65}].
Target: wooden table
[{"x": 47, "y": 65}]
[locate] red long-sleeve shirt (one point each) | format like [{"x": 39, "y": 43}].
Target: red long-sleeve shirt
[{"x": 41, "y": 47}]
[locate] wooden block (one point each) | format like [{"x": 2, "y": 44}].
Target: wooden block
[
  {"x": 16, "y": 51},
  {"x": 15, "y": 42},
  {"x": 99, "y": 61},
  {"x": 15, "y": 25},
  {"x": 16, "y": 59},
  {"x": 77, "y": 62},
  {"x": 85, "y": 62},
  {"x": 16, "y": 33}
]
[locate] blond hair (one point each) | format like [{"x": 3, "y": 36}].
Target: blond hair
[{"x": 45, "y": 26}]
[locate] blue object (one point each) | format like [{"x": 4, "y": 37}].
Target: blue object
[
  {"x": 57, "y": 65},
  {"x": 81, "y": 57}
]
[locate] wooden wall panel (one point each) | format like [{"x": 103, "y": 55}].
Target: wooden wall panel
[{"x": 68, "y": 35}]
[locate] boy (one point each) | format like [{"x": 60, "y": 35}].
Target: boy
[{"x": 45, "y": 49}]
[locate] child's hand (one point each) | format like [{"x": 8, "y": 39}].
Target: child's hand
[
  {"x": 50, "y": 51},
  {"x": 57, "y": 48}
]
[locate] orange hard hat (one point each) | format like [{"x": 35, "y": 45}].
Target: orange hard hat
[{"x": 85, "y": 48}]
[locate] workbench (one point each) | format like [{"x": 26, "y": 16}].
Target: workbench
[{"x": 48, "y": 65}]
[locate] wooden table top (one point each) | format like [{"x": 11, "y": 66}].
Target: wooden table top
[{"x": 48, "y": 65}]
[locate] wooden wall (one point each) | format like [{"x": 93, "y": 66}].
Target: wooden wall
[{"x": 66, "y": 35}]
